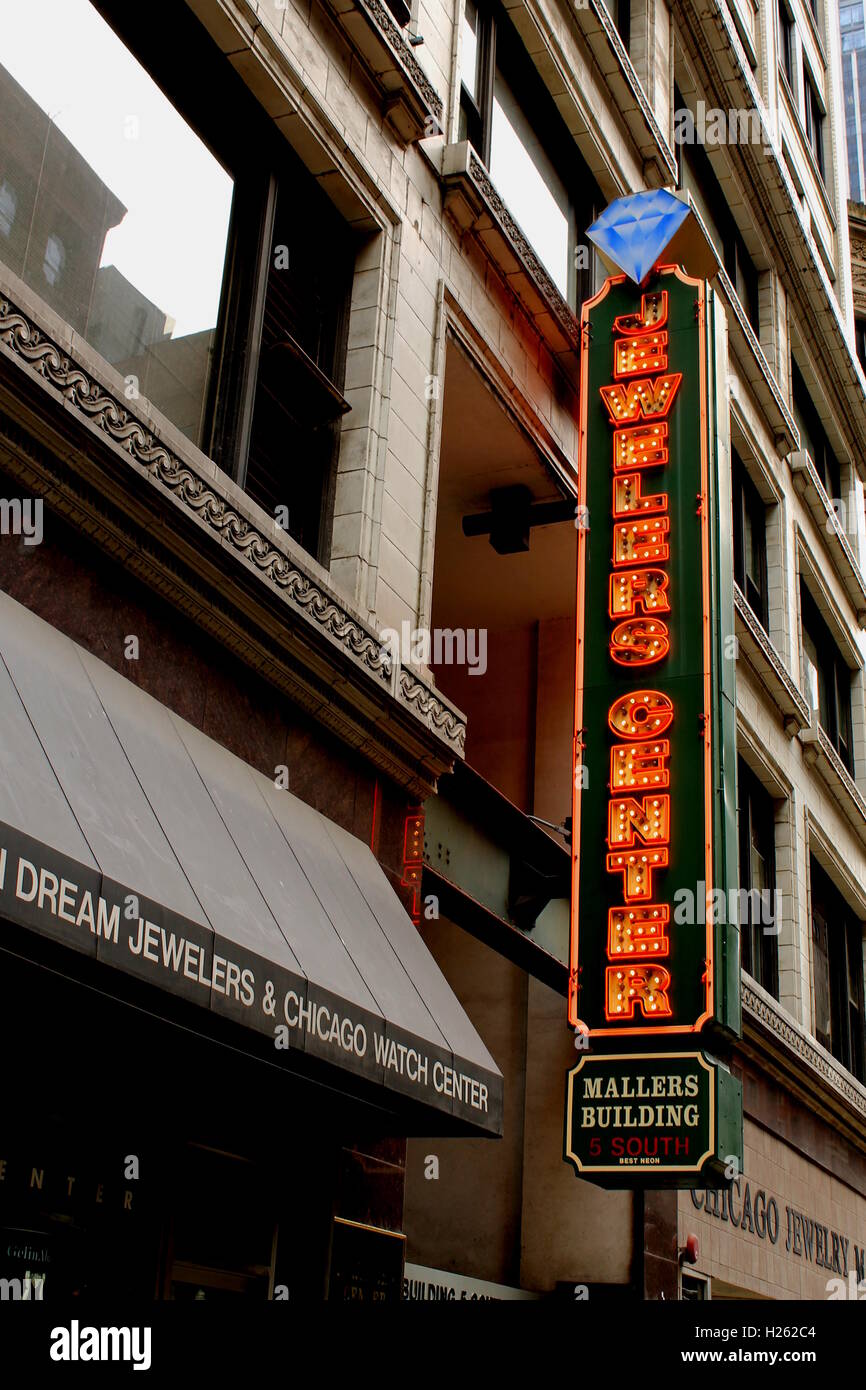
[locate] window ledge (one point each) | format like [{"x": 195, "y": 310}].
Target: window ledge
[
  {"x": 820, "y": 754},
  {"x": 816, "y": 32},
  {"x": 612, "y": 57},
  {"x": 762, "y": 381},
  {"x": 412, "y": 106},
  {"x": 811, "y": 489},
  {"x": 809, "y": 155},
  {"x": 766, "y": 1020},
  {"x": 743, "y": 34},
  {"x": 474, "y": 204},
  {"x": 122, "y": 473},
  {"x": 769, "y": 666}
]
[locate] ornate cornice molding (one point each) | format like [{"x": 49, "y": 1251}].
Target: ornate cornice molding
[
  {"x": 820, "y": 753},
  {"x": 769, "y": 666},
  {"x": 804, "y": 1050},
  {"x": 412, "y": 106},
  {"x": 567, "y": 320},
  {"x": 475, "y": 204},
  {"x": 379, "y": 679},
  {"x": 430, "y": 706},
  {"x": 657, "y": 149},
  {"x": 84, "y": 393},
  {"x": 390, "y": 29},
  {"x": 812, "y": 490},
  {"x": 764, "y": 383}
]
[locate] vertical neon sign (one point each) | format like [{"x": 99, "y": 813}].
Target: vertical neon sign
[{"x": 644, "y": 715}]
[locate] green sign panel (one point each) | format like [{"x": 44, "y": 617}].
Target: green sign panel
[
  {"x": 654, "y": 963},
  {"x": 656, "y": 1118}
]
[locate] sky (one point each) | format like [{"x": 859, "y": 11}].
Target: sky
[{"x": 171, "y": 243}]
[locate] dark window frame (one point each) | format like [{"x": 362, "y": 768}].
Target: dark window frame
[
  {"x": 756, "y": 824},
  {"x": 733, "y": 251},
  {"x": 748, "y": 503},
  {"x": 819, "y": 448},
  {"x": 814, "y": 116},
  {"x": 621, "y": 15},
  {"x": 499, "y": 47},
  {"x": 240, "y": 134},
  {"x": 837, "y": 968},
  {"x": 786, "y": 41},
  {"x": 834, "y": 679}
]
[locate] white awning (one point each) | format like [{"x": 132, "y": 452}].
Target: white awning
[{"x": 129, "y": 835}]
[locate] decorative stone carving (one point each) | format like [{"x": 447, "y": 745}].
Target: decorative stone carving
[
  {"x": 770, "y": 667},
  {"x": 822, "y": 1066},
  {"x": 84, "y": 394},
  {"x": 412, "y": 106},
  {"x": 426, "y": 703}
]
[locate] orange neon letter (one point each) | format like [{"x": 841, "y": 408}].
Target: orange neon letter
[
  {"x": 645, "y": 985},
  {"x": 639, "y": 642},
  {"x": 646, "y": 587},
  {"x": 653, "y": 314},
  {"x": 640, "y": 765},
  {"x": 628, "y": 819},
  {"x": 641, "y": 398},
  {"x": 638, "y": 931},
  {"x": 637, "y": 870},
  {"x": 641, "y": 446},
  {"x": 633, "y": 355},
  {"x": 642, "y": 542},
  {"x": 628, "y": 496},
  {"x": 642, "y": 714}
]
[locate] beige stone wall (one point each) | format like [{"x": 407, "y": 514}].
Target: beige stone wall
[{"x": 742, "y": 1260}]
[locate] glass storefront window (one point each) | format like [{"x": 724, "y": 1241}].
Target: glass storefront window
[{"x": 111, "y": 207}]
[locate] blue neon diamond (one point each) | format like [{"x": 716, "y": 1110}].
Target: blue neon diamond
[{"x": 634, "y": 231}]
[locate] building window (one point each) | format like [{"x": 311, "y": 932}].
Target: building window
[
  {"x": 8, "y": 208},
  {"x": 697, "y": 175},
  {"x": 758, "y": 923},
  {"x": 786, "y": 41},
  {"x": 837, "y": 947},
  {"x": 814, "y": 121},
  {"x": 620, "y": 13},
  {"x": 695, "y": 1289},
  {"x": 826, "y": 679},
  {"x": 400, "y": 10},
  {"x": 161, "y": 230},
  {"x": 813, "y": 436},
  {"x": 860, "y": 341},
  {"x": 54, "y": 260},
  {"x": 750, "y": 539},
  {"x": 509, "y": 116}
]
